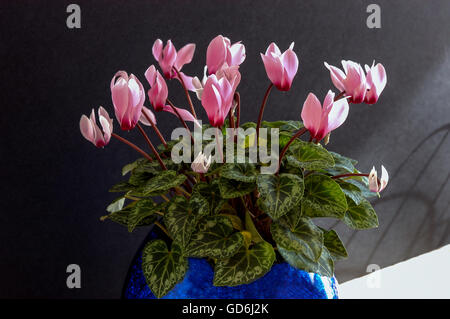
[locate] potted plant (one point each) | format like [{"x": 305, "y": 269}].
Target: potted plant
[{"x": 234, "y": 204}]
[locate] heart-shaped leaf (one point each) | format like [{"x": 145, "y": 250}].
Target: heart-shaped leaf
[
  {"x": 182, "y": 216},
  {"x": 232, "y": 188},
  {"x": 323, "y": 197},
  {"x": 283, "y": 125},
  {"x": 279, "y": 194},
  {"x": 334, "y": 244},
  {"x": 143, "y": 212},
  {"x": 162, "y": 182},
  {"x": 361, "y": 216},
  {"x": 162, "y": 268},
  {"x": 309, "y": 156},
  {"x": 214, "y": 238},
  {"x": 342, "y": 164},
  {"x": 351, "y": 191},
  {"x": 303, "y": 237},
  {"x": 243, "y": 172},
  {"x": 211, "y": 193},
  {"x": 247, "y": 265},
  {"x": 324, "y": 266}
]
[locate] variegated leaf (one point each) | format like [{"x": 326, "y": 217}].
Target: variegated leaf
[
  {"x": 162, "y": 268},
  {"x": 214, "y": 238},
  {"x": 302, "y": 237},
  {"x": 247, "y": 265},
  {"x": 323, "y": 197},
  {"x": 279, "y": 194},
  {"x": 361, "y": 216}
]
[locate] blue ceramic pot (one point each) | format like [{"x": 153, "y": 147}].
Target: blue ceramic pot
[{"x": 281, "y": 282}]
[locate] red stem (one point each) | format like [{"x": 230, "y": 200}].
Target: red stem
[
  {"x": 155, "y": 152},
  {"x": 285, "y": 148},
  {"x": 181, "y": 119},
  {"x": 155, "y": 128},
  {"x": 237, "y": 96},
  {"x": 186, "y": 92},
  {"x": 261, "y": 110},
  {"x": 136, "y": 148}
]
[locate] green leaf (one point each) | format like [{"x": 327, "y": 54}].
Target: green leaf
[
  {"x": 162, "y": 268},
  {"x": 351, "y": 191},
  {"x": 334, "y": 244},
  {"x": 211, "y": 193},
  {"x": 116, "y": 205},
  {"x": 231, "y": 189},
  {"x": 162, "y": 182},
  {"x": 246, "y": 266},
  {"x": 214, "y": 238},
  {"x": 309, "y": 156},
  {"x": 235, "y": 221},
  {"x": 121, "y": 187},
  {"x": 323, "y": 197},
  {"x": 182, "y": 216},
  {"x": 342, "y": 163},
  {"x": 129, "y": 167},
  {"x": 361, "y": 216},
  {"x": 243, "y": 172},
  {"x": 279, "y": 194},
  {"x": 250, "y": 226},
  {"x": 142, "y": 214},
  {"x": 363, "y": 186},
  {"x": 324, "y": 266},
  {"x": 302, "y": 237},
  {"x": 283, "y": 125}
]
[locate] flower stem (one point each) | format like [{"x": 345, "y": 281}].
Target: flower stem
[
  {"x": 186, "y": 92},
  {"x": 181, "y": 119},
  {"x": 155, "y": 128},
  {"x": 136, "y": 148},
  {"x": 155, "y": 152},
  {"x": 237, "y": 97},
  {"x": 349, "y": 175},
  {"x": 261, "y": 110},
  {"x": 285, "y": 148}
]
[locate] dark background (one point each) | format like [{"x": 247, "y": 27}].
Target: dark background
[{"x": 54, "y": 183}]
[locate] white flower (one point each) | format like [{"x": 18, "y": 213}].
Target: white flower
[{"x": 201, "y": 163}]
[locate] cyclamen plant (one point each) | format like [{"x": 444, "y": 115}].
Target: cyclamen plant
[{"x": 241, "y": 220}]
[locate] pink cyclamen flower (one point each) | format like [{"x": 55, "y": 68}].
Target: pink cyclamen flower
[
  {"x": 354, "y": 82},
  {"x": 201, "y": 163},
  {"x": 321, "y": 120},
  {"x": 280, "y": 68},
  {"x": 169, "y": 58},
  {"x": 90, "y": 130},
  {"x": 158, "y": 92},
  {"x": 376, "y": 82},
  {"x": 217, "y": 98},
  {"x": 128, "y": 97},
  {"x": 231, "y": 73},
  {"x": 221, "y": 51},
  {"x": 150, "y": 114},
  {"x": 375, "y": 185}
]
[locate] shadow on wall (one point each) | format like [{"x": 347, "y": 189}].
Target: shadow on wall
[{"x": 415, "y": 219}]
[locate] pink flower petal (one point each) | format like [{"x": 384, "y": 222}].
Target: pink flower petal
[
  {"x": 150, "y": 75},
  {"x": 86, "y": 128},
  {"x": 216, "y": 54},
  {"x": 312, "y": 114},
  {"x": 185, "y": 55},
  {"x": 185, "y": 115},
  {"x": 157, "y": 49}
]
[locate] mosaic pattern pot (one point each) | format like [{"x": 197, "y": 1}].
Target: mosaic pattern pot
[{"x": 281, "y": 282}]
